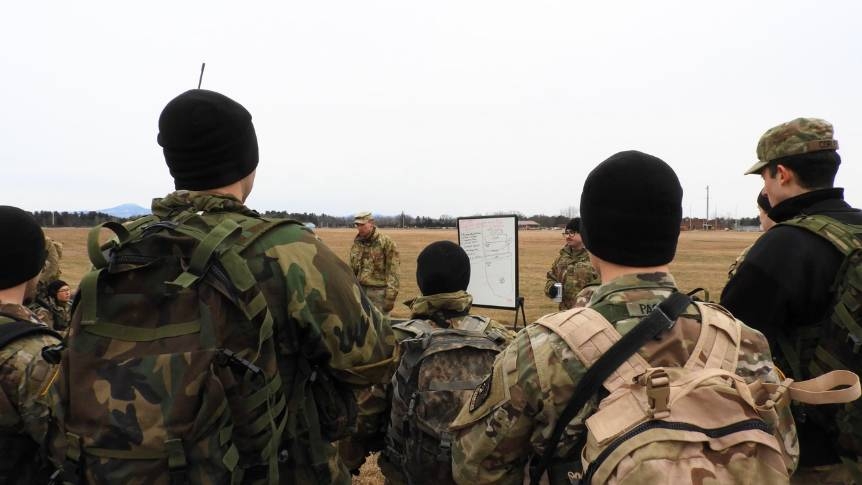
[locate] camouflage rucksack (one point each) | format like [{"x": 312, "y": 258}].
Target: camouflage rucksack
[
  {"x": 836, "y": 343},
  {"x": 170, "y": 373},
  {"x": 438, "y": 371},
  {"x": 682, "y": 424}
]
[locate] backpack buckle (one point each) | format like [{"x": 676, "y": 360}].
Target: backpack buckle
[{"x": 657, "y": 385}]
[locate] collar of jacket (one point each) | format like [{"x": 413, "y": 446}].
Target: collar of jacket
[
  {"x": 804, "y": 203},
  {"x": 368, "y": 239},
  {"x": 181, "y": 200},
  {"x": 662, "y": 282},
  {"x": 458, "y": 302}
]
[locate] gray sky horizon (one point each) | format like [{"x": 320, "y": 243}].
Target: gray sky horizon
[{"x": 430, "y": 108}]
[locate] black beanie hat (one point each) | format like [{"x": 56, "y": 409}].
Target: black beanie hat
[
  {"x": 54, "y": 287},
  {"x": 442, "y": 267},
  {"x": 208, "y": 140},
  {"x": 574, "y": 225},
  {"x": 22, "y": 247},
  {"x": 631, "y": 209}
]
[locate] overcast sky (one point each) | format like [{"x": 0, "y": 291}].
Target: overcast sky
[{"x": 439, "y": 107}]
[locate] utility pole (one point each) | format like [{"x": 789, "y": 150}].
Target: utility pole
[{"x": 707, "y": 207}]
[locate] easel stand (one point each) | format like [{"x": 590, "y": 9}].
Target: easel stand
[{"x": 520, "y": 306}]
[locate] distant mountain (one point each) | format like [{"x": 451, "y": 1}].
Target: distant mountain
[{"x": 126, "y": 210}]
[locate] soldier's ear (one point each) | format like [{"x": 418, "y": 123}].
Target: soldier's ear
[{"x": 784, "y": 175}]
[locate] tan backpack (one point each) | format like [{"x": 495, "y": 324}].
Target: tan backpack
[{"x": 690, "y": 424}]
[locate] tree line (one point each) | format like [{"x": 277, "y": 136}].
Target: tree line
[{"x": 92, "y": 218}]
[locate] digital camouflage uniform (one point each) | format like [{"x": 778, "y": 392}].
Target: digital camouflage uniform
[
  {"x": 54, "y": 253},
  {"x": 24, "y": 403},
  {"x": 55, "y": 314},
  {"x": 51, "y": 270},
  {"x": 572, "y": 268},
  {"x": 375, "y": 263},
  {"x": 374, "y": 407},
  {"x": 320, "y": 317},
  {"x": 534, "y": 378}
]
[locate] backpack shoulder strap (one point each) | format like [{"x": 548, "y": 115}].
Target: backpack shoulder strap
[
  {"x": 590, "y": 335},
  {"x": 12, "y": 330},
  {"x": 717, "y": 345},
  {"x": 845, "y": 237}
]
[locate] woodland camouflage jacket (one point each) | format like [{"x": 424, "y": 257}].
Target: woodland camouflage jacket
[
  {"x": 320, "y": 313},
  {"x": 533, "y": 380}
]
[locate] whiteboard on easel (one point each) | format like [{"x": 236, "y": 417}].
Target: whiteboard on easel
[{"x": 491, "y": 243}]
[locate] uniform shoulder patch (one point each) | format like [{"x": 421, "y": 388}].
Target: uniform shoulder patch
[{"x": 481, "y": 393}]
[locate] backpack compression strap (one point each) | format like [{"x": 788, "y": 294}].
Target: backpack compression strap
[{"x": 661, "y": 318}]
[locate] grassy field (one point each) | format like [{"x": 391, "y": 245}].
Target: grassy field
[{"x": 702, "y": 260}]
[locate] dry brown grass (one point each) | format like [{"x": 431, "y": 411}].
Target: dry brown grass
[{"x": 701, "y": 261}]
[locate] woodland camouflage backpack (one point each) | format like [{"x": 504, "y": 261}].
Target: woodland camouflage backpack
[
  {"x": 170, "y": 374},
  {"x": 837, "y": 342},
  {"x": 696, "y": 423},
  {"x": 438, "y": 371}
]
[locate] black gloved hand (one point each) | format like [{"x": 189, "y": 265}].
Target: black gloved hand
[{"x": 552, "y": 291}]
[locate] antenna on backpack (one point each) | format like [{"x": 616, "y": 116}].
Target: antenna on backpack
[{"x": 201, "y": 79}]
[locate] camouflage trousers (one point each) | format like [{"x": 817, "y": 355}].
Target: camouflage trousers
[
  {"x": 825, "y": 475},
  {"x": 377, "y": 295}
]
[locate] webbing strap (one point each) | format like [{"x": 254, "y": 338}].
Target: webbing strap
[
  {"x": 835, "y": 387},
  {"x": 219, "y": 235},
  {"x": 89, "y": 288},
  {"x": 261, "y": 395},
  {"x": 720, "y": 331},
  {"x": 94, "y": 248},
  {"x": 591, "y": 336},
  {"x": 130, "y": 333}
]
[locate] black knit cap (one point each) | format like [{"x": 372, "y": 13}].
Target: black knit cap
[
  {"x": 208, "y": 140},
  {"x": 442, "y": 267},
  {"x": 22, "y": 247},
  {"x": 574, "y": 225},
  {"x": 631, "y": 209}
]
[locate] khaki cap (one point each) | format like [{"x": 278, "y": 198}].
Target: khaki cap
[
  {"x": 802, "y": 135},
  {"x": 362, "y": 217}
]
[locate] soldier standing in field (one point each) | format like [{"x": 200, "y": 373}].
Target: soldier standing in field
[
  {"x": 374, "y": 260},
  {"x": 324, "y": 329},
  {"x": 24, "y": 374},
  {"x": 786, "y": 285},
  {"x": 510, "y": 416},
  {"x": 571, "y": 271}
]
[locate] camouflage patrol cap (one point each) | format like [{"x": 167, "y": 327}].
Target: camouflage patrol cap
[
  {"x": 362, "y": 217},
  {"x": 802, "y": 135}
]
